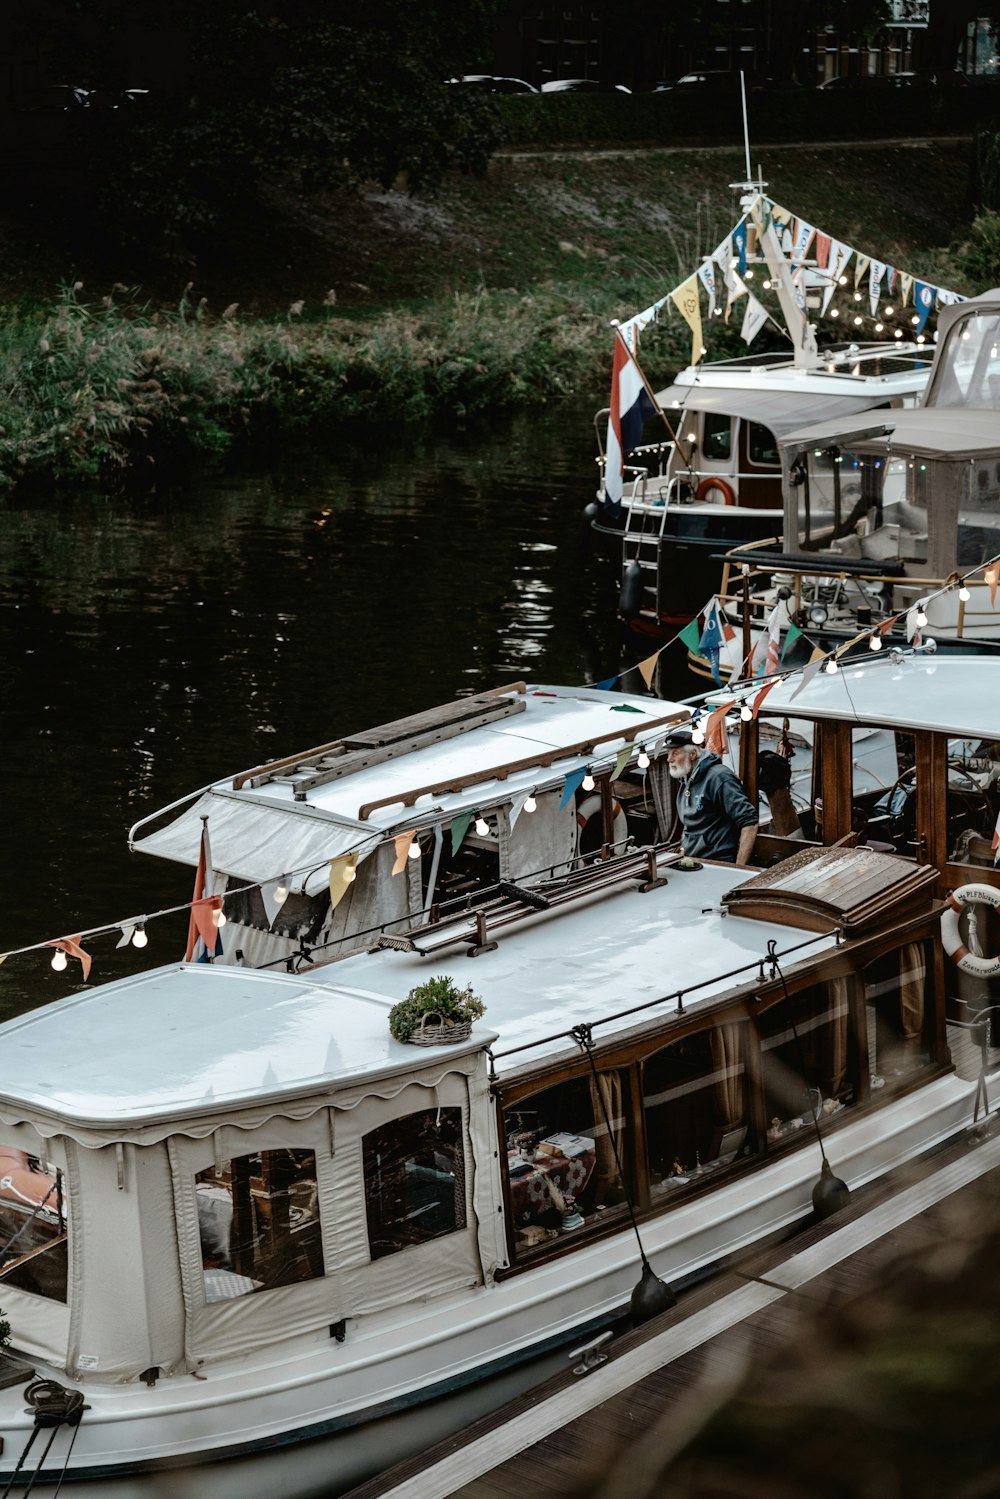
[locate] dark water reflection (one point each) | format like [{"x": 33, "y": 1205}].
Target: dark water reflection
[{"x": 154, "y": 643}]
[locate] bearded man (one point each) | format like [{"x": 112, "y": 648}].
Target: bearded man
[{"x": 720, "y": 821}]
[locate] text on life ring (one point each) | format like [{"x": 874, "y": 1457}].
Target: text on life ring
[{"x": 951, "y": 937}]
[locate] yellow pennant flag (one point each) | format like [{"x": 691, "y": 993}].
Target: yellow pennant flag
[
  {"x": 685, "y": 298},
  {"x": 818, "y": 654},
  {"x": 342, "y": 876},
  {"x": 624, "y": 756},
  {"x": 860, "y": 266},
  {"x": 907, "y": 284},
  {"x": 648, "y": 669}
]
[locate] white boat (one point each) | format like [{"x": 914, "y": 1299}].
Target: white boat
[
  {"x": 288, "y": 1249},
  {"x": 891, "y": 522},
  {"x": 714, "y": 480}
]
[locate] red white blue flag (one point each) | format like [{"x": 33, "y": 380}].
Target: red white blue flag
[{"x": 630, "y": 404}]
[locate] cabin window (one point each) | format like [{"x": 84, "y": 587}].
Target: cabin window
[
  {"x": 694, "y": 1102},
  {"x": 895, "y": 1007},
  {"x": 972, "y": 801},
  {"x": 561, "y": 1156},
  {"x": 258, "y": 1217},
  {"x": 716, "y": 436},
  {"x": 806, "y": 1058},
  {"x": 32, "y": 1225},
  {"x": 970, "y": 364},
  {"x": 889, "y": 818},
  {"x": 299, "y": 916},
  {"x": 414, "y": 1171},
  {"x": 979, "y": 519},
  {"x": 761, "y": 446}
]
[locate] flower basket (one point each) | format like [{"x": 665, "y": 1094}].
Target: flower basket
[
  {"x": 434, "y": 1013},
  {"x": 432, "y": 1031}
]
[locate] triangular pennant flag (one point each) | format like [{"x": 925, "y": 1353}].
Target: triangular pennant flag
[
  {"x": 923, "y": 301},
  {"x": 740, "y": 246},
  {"x": 802, "y": 234},
  {"x": 780, "y": 215},
  {"x": 875, "y": 284},
  {"x": 836, "y": 261},
  {"x": 791, "y": 636},
  {"x": 723, "y": 257},
  {"x": 711, "y": 635},
  {"x": 606, "y": 685},
  {"x": 762, "y": 694},
  {"x": 647, "y": 669},
  {"x": 691, "y": 635},
  {"x": 818, "y": 654},
  {"x": 72, "y": 946},
  {"x": 126, "y": 936},
  {"x": 823, "y": 243},
  {"x": 860, "y": 266},
  {"x": 992, "y": 576},
  {"x": 516, "y": 808},
  {"x": 891, "y": 275},
  {"x": 570, "y": 784},
  {"x": 735, "y": 289},
  {"x": 268, "y": 894},
  {"x": 685, "y": 298},
  {"x": 402, "y": 843},
  {"x": 342, "y": 874},
  {"x": 459, "y": 828},
  {"x": 808, "y": 672},
  {"x": 753, "y": 320},
  {"x": 715, "y": 729},
  {"x": 202, "y": 913},
  {"x": 769, "y": 664},
  {"x": 906, "y": 286},
  {"x": 706, "y": 275},
  {"x": 624, "y": 756},
  {"x": 624, "y": 708}
]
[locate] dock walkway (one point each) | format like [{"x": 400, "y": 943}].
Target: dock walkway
[{"x": 660, "y": 1378}]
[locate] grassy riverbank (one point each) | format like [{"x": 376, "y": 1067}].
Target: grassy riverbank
[{"x": 494, "y": 293}]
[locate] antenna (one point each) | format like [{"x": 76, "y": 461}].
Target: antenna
[{"x": 746, "y": 130}]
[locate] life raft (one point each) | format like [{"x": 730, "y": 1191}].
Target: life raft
[
  {"x": 951, "y": 937},
  {"x": 713, "y": 482}
]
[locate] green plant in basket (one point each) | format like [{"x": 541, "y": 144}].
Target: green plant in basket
[{"x": 441, "y": 1000}]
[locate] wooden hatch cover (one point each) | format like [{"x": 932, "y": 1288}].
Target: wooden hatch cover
[{"x": 856, "y": 889}]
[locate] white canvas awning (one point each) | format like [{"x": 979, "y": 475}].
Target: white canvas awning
[{"x": 779, "y": 411}]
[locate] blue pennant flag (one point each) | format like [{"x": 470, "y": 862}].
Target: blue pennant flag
[
  {"x": 923, "y": 298},
  {"x": 573, "y": 780},
  {"x": 606, "y": 685},
  {"x": 740, "y": 244}
]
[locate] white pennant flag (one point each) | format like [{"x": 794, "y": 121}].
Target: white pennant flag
[
  {"x": 875, "y": 284},
  {"x": 516, "y": 808},
  {"x": 803, "y": 239},
  {"x": 734, "y": 288},
  {"x": 753, "y": 319},
  {"x": 706, "y": 275},
  {"x": 839, "y": 256},
  {"x": 808, "y": 672},
  {"x": 723, "y": 256},
  {"x": 271, "y": 903}
]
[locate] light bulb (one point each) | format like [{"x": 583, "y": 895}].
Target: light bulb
[
  {"x": 857, "y": 296},
  {"x": 888, "y": 310},
  {"x": 915, "y": 319},
  {"x": 588, "y": 782},
  {"x": 698, "y": 735},
  {"x": 879, "y": 327},
  {"x": 766, "y": 285},
  {"x": 875, "y": 643},
  {"x": 281, "y": 890},
  {"x": 350, "y": 874},
  {"x": 746, "y": 713},
  {"x": 858, "y": 321},
  {"x": 59, "y": 960},
  {"x": 921, "y": 619},
  {"x": 964, "y": 594},
  {"x": 842, "y": 280},
  {"x": 413, "y": 852},
  {"x": 529, "y": 803},
  {"x": 692, "y": 437},
  {"x": 482, "y": 826},
  {"x": 139, "y": 937},
  {"x": 834, "y": 312},
  {"x": 218, "y": 917},
  {"x": 831, "y": 666},
  {"x": 749, "y": 275},
  {"x": 643, "y": 760},
  {"x": 898, "y": 333}
]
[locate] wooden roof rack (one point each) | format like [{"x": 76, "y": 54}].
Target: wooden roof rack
[
  {"x": 856, "y": 889},
  {"x": 342, "y": 757}
]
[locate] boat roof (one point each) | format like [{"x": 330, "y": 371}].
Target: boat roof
[
  {"x": 780, "y": 408},
  {"x": 287, "y": 821},
  {"x": 951, "y": 694},
  {"x": 950, "y": 433},
  {"x": 184, "y": 1047}
]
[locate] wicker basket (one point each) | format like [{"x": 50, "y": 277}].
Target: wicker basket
[{"x": 432, "y": 1031}]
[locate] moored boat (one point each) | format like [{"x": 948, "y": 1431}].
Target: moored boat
[{"x": 289, "y": 1238}]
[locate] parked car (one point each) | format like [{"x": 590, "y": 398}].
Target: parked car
[
  {"x": 490, "y": 84},
  {"x": 582, "y": 85},
  {"x": 713, "y": 78}
]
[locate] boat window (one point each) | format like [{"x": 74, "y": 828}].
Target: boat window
[
  {"x": 561, "y": 1164},
  {"x": 972, "y": 801},
  {"x": 979, "y": 521},
  {"x": 762, "y": 447},
  {"x": 414, "y": 1180},
  {"x": 694, "y": 1102},
  {"x": 895, "y": 1003},
  {"x": 32, "y": 1225},
  {"x": 299, "y": 916},
  {"x": 805, "y": 1058},
  {"x": 875, "y": 772},
  {"x": 716, "y": 436},
  {"x": 970, "y": 364},
  {"x": 471, "y": 869},
  {"x": 258, "y": 1217}
]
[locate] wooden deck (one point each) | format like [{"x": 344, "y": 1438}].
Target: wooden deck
[{"x": 661, "y": 1378}]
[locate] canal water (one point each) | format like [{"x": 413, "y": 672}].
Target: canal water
[{"x": 155, "y": 642}]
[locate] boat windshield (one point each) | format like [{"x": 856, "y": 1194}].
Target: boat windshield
[
  {"x": 862, "y": 506},
  {"x": 969, "y": 373}
]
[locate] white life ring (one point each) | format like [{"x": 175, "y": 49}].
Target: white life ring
[
  {"x": 592, "y": 808},
  {"x": 951, "y": 937}
]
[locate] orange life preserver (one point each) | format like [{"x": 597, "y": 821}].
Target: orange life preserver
[
  {"x": 951, "y": 937},
  {"x": 712, "y": 482},
  {"x": 592, "y": 808}
]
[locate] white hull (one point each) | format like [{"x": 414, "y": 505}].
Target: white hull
[{"x": 317, "y": 1417}]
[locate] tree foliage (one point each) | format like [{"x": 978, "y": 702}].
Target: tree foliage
[{"x": 300, "y": 90}]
